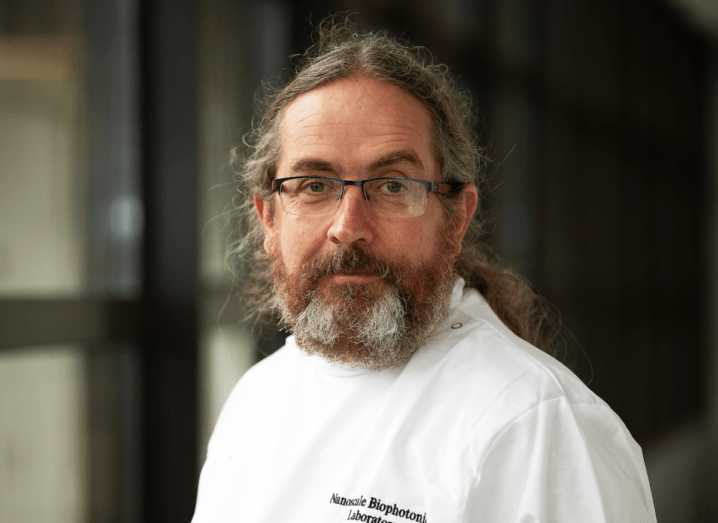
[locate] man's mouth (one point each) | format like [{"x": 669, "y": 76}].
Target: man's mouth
[
  {"x": 351, "y": 278},
  {"x": 354, "y": 267}
]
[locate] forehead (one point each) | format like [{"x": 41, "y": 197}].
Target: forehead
[{"x": 354, "y": 121}]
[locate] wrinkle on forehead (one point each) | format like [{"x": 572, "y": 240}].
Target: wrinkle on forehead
[{"x": 385, "y": 114}]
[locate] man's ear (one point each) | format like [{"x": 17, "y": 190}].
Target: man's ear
[
  {"x": 465, "y": 206},
  {"x": 266, "y": 218}
]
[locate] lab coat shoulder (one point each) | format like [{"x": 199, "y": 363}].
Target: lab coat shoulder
[
  {"x": 555, "y": 452},
  {"x": 249, "y": 393}
]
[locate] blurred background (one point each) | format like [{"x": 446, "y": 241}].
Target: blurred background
[{"x": 120, "y": 335}]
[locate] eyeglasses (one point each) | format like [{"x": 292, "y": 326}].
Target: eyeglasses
[{"x": 386, "y": 197}]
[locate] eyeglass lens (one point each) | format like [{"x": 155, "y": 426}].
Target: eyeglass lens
[{"x": 388, "y": 198}]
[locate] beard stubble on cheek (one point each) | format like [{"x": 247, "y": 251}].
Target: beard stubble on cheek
[{"x": 373, "y": 324}]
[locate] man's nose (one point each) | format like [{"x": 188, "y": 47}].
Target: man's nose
[{"x": 353, "y": 220}]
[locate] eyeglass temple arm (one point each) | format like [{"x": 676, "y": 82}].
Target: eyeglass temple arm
[{"x": 446, "y": 188}]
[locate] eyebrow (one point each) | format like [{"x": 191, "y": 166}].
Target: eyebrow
[
  {"x": 303, "y": 165},
  {"x": 396, "y": 157},
  {"x": 314, "y": 165}
]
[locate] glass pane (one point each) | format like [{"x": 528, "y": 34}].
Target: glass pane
[
  {"x": 515, "y": 131},
  {"x": 229, "y": 71},
  {"x": 43, "y": 434},
  {"x": 114, "y": 413},
  {"x": 114, "y": 204},
  {"x": 70, "y": 210},
  {"x": 42, "y": 178},
  {"x": 70, "y": 435},
  {"x": 515, "y": 32}
]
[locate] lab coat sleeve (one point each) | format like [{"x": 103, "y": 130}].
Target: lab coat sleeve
[{"x": 562, "y": 462}]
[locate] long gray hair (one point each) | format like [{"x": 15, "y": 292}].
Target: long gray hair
[{"x": 343, "y": 50}]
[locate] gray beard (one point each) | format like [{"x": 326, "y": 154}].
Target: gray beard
[{"x": 367, "y": 332}]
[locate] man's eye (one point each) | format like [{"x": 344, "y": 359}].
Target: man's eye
[
  {"x": 393, "y": 187},
  {"x": 315, "y": 187}
]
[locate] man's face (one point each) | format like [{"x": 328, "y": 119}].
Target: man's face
[{"x": 352, "y": 259}]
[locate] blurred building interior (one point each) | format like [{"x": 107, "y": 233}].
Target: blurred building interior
[{"x": 121, "y": 332}]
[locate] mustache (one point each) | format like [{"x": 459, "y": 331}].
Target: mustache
[{"x": 353, "y": 261}]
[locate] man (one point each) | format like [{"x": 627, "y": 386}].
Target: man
[{"x": 410, "y": 389}]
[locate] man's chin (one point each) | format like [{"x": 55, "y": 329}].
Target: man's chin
[{"x": 338, "y": 310}]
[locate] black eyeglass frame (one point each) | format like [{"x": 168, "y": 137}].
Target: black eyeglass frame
[{"x": 439, "y": 188}]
